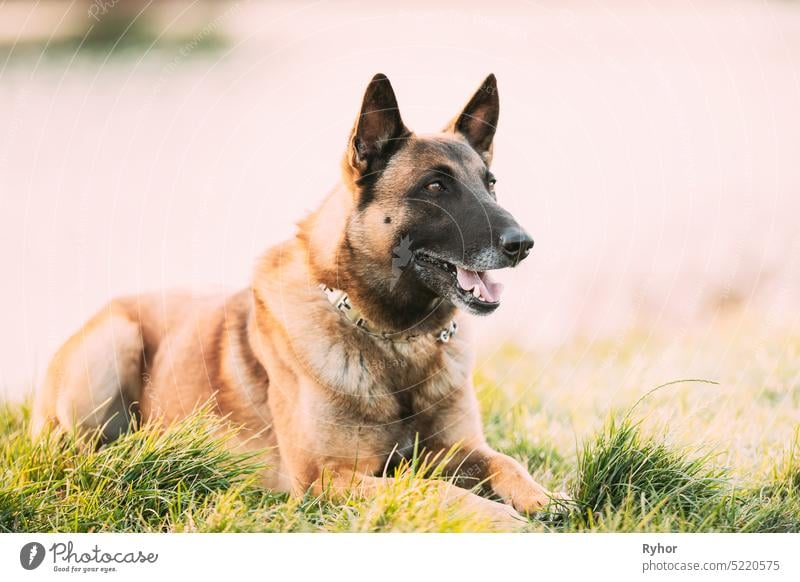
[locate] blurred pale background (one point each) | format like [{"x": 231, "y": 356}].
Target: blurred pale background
[{"x": 652, "y": 149}]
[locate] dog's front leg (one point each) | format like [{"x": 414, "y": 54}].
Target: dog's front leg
[
  {"x": 506, "y": 477},
  {"x": 344, "y": 482}
]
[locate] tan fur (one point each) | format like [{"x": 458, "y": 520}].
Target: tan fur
[{"x": 325, "y": 402}]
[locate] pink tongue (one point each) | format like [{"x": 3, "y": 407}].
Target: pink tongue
[{"x": 489, "y": 290}]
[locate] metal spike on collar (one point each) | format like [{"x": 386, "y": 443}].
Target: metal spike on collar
[{"x": 447, "y": 333}]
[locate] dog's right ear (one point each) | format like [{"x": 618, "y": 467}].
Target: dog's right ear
[{"x": 379, "y": 129}]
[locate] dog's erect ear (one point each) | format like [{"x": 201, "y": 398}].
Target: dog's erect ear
[
  {"x": 478, "y": 121},
  {"x": 379, "y": 129}
]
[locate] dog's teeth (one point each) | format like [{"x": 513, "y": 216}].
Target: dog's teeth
[{"x": 476, "y": 292}]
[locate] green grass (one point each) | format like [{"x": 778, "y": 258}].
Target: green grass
[{"x": 688, "y": 457}]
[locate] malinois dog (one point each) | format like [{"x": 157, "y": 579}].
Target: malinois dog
[{"x": 351, "y": 346}]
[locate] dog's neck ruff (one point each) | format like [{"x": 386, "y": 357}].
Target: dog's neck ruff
[{"x": 341, "y": 302}]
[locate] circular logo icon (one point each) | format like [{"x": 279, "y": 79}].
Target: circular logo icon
[{"x": 31, "y": 555}]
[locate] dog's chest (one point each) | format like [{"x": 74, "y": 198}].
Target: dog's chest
[{"x": 399, "y": 385}]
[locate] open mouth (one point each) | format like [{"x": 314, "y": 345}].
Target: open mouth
[{"x": 475, "y": 289}]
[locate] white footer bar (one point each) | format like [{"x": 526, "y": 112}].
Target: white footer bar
[{"x": 400, "y": 557}]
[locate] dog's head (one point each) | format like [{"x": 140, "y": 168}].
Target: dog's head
[{"x": 425, "y": 218}]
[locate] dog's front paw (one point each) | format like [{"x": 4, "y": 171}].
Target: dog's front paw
[
  {"x": 530, "y": 499},
  {"x": 536, "y": 498}
]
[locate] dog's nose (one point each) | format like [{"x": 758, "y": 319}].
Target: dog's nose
[{"x": 516, "y": 243}]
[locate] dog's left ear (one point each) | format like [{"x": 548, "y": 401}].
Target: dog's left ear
[{"x": 478, "y": 121}]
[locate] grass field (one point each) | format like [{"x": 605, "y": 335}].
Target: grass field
[{"x": 689, "y": 456}]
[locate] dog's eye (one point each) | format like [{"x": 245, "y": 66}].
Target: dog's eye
[
  {"x": 435, "y": 187},
  {"x": 492, "y": 182}
]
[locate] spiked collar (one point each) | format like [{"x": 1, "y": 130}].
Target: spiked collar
[{"x": 341, "y": 302}]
